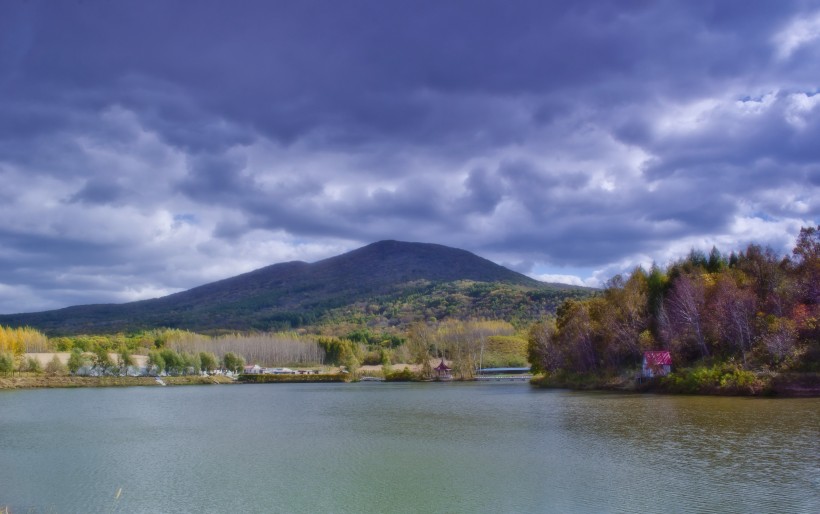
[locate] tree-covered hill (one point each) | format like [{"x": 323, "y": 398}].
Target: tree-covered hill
[
  {"x": 723, "y": 316},
  {"x": 391, "y": 282}
]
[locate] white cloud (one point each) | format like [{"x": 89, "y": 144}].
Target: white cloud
[
  {"x": 572, "y": 280},
  {"x": 800, "y": 107},
  {"x": 150, "y": 178},
  {"x": 685, "y": 118},
  {"x": 798, "y": 33}
]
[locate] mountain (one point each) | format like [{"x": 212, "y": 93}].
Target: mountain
[{"x": 292, "y": 294}]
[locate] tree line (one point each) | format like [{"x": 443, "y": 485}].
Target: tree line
[
  {"x": 20, "y": 340},
  {"x": 754, "y": 308},
  {"x": 261, "y": 348},
  {"x": 464, "y": 343}
]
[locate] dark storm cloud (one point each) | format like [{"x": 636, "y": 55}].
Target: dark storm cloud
[
  {"x": 213, "y": 177},
  {"x": 306, "y": 66},
  {"x": 732, "y": 140},
  {"x": 100, "y": 192},
  {"x": 557, "y": 133},
  {"x": 483, "y": 191},
  {"x": 32, "y": 251}
]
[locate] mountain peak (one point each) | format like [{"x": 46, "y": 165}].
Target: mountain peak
[
  {"x": 287, "y": 293},
  {"x": 391, "y": 261}
]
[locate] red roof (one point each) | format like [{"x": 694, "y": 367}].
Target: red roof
[
  {"x": 657, "y": 358},
  {"x": 442, "y": 367}
]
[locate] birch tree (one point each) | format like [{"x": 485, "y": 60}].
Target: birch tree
[
  {"x": 419, "y": 343},
  {"x": 685, "y": 307}
]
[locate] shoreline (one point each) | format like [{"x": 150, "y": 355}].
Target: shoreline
[
  {"x": 784, "y": 385},
  {"x": 791, "y": 385},
  {"x": 794, "y": 386},
  {"x": 71, "y": 382}
]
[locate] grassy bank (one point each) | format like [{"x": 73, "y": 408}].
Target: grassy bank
[
  {"x": 26, "y": 381},
  {"x": 290, "y": 379},
  {"x": 584, "y": 382},
  {"x": 719, "y": 380}
]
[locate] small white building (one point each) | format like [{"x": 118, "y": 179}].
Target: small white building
[{"x": 256, "y": 369}]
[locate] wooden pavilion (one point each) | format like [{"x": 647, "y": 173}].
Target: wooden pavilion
[{"x": 443, "y": 371}]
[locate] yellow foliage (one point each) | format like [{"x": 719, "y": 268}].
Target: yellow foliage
[
  {"x": 21, "y": 340},
  {"x": 507, "y": 344},
  {"x": 709, "y": 279}
]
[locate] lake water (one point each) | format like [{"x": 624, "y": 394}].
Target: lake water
[{"x": 373, "y": 447}]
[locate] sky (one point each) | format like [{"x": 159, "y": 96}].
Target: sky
[{"x": 147, "y": 147}]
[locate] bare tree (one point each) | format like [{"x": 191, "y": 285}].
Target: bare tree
[
  {"x": 779, "y": 338},
  {"x": 265, "y": 349},
  {"x": 419, "y": 342},
  {"x": 685, "y": 306},
  {"x": 807, "y": 255},
  {"x": 732, "y": 313}
]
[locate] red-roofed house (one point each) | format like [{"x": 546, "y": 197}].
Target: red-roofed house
[{"x": 656, "y": 364}]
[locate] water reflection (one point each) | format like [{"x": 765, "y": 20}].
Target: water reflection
[
  {"x": 700, "y": 451},
  {"x": 404, "y": 448}
]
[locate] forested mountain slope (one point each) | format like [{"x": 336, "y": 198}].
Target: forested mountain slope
[{"x": 391, "y": 275}]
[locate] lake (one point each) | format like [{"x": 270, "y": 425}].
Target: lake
[{"x": 376, "y": 447}]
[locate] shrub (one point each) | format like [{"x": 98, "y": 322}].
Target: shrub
[
  {"x": 405, "y": 375},
  {"x": 31, "y": 365},
  {"x": 719, "y": 378},
  {"x": 56, "y": 367},
  {"x": 372, "y": 358},
  {"x": 6, "y": 363},
  {"x": 76, "y": 360}
]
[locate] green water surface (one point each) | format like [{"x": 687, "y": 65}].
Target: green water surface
[{"x": 375, "y": 447}]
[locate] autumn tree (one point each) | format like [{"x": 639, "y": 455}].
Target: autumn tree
[
  {"x": 102, "y": 361},
  {"x": 778, "y": 337},
  {"x": 543, "y": 348},
  {"x": 716, "y": 262},
  {"x": 76, "y": 360},
  {"x": 575, "y": 333},
  {"x": 767, "y": 274},
  {"x": 208, "y": 361},
  {"x": 174, "y": 364},
  {"x": 419, "y": 342},
  {"x": 55, "y": 366},
  {"x": 190, "y": 363},
  {"x": 22, "y": 340},
  {"x": 6, "y": 363},
  {"x": 624, "y": 315},
  {"x": 754, "y": 305},
  {"x": 125, "y": 359},
  {"x": 31, "y": 364},
  {"x": 732, "y": 315},
  {"x": 684, "y": 309},
  {"x": 156, "y": 363},
  {"x": 481, "y": 331},
  {"x": 350, "y": 360},
  {"x": 807, "y": 260},
  {"x": 233, "y": 362},
  {"x": 454, "y": 337},
  {"x": 262, "y": 348}
]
